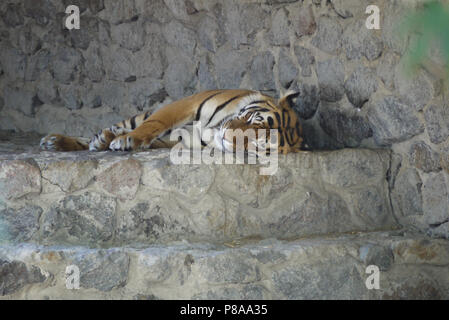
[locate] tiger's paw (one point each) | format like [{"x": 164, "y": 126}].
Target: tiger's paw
[
  {"x": 58, "y": 142},
  {"x": 100, "y": 141},
  {"x": 50, "y": 142},
  {"x": 125, "y": 143}
]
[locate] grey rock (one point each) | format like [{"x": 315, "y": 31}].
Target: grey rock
[
  {"x": 153, "y": 51},
  {"x": 331, "y": 76},
  {"x": 351, "y": 168},
  {"x": 112, "y": 179},
  {"x": 13, "y": 16},
  {"x": 113, "y": 94},
  {"x": 407, "y": 195},
  {"x": 207, "y": 33},
  {"x": 206, "y": 74},
  {"x": 102, "y": 270},
  {"x": 370, "y": 205},
  {"x": 230, "y": 67},
  {"x": 70, "y": 97},
  {"x": 119, "y": 64},
  {"x": 360, "y": 85},
  {"x": 180, "y": 36},
  {"x": 274, "y": 2},
  {"x": 422, "y": 289},
  {"x": 27, "y": 40},
  {"x": 390, "y": 37},
  {"x": 229, "y": 15},
  {"x": 158, "y": 11},
  {"x": 303, "y": 20},
  {"x": 305, "y": 60},
  {"x": 252, "y": 20},
  {"x": 247, "y": 292},
  {"x": 316, "y": 268},
  {"x": 359, "y": 41},
  {"x": 435, "y": 194},
  {"x": 129, "y": 35},
  {"x": 437, "y": 122},
  {"x": 47, "y": 92},
  {"x": 445, "y": 158},
  {"x": 308, "y": 100},
  {"x": 328, "y": 35},
  {"x": 81, "y": 38},
  {"x": 347, "y": 127},
  {"x": 349, "y": 8},
  {"x": 261, "y": 72},
  {"x": 280, "y": 28},
  {"x": 180, "y": 8},
  {"x": 95, "y": 6},
  {"x": 386, "y": 67},
  {"x": 242, "y": 22},
  {"x": 119, "y": 12},
  {"x": 392, "y": 121},
  {"x": 15, "y": 275},
  {"x": 21, "y": 224},
  {"x": 180, "y": 77},
  {"x": 13, "y": 62},
  {"x": 2, "y": 103},
  {"x": 37, "y": 64},
  {"x": 219, "y": 13},
  {"x": 144, "y": 93},
  {"x": 65, "y": 64},
  {"x": 94, "y": 69},
  {"x": 42, "y": 11},
  {"x": 187, "y": 180},
  {"x": 379, "y": 256},
  {"x": 92, "y": 101},
  {"x": 104, "y": 32},
  {"x": 303, "y": 281},
  {"x": 229, "y": 268},
  {"x": 309, "y": 216},
  {"x": 19, "y": 99},
  {"x": 150, "y": 222},
  {"x": 423, "y": 157},
  {"x": 372, "y": 47},
  {"x": 77, "y": 174},
  {"x": 81, "y": 4},
  {"x": 415, "y": 89},
  {"x": 286, "y": 69},
  {"x": 88, "y": 218}
]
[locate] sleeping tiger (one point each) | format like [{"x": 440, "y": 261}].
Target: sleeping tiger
[{"x": 219, "y": 110}]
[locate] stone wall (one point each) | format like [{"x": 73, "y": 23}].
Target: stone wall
[
  {"x": 134, "y": 55},
  {"x": 110, "y": 200}
]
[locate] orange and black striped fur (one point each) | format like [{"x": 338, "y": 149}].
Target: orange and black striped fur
[{"x": 219, "y": 110}]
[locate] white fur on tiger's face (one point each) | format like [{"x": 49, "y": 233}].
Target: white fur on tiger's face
[{"x": 231, "y": 114}]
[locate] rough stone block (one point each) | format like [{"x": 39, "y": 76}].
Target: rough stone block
[{"x": 19, "y": 178}]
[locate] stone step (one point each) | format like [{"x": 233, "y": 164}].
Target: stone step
[
  {"x": 110, "y": 199},
  {"x": 410, "y": 266}
]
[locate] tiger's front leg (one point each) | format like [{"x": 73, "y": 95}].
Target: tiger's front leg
[
  {"x": 138, "y": 139},
  {"x": 103, "y": 139},
  {"x": 141, "y": 138}
]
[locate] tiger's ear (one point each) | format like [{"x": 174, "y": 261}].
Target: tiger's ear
[{"x": 289, "y": 99}]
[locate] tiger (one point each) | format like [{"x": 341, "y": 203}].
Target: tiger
[{"x": 218, "y": 110}]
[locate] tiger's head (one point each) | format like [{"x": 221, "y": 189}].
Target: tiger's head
[{"x": 257, "y": 117}]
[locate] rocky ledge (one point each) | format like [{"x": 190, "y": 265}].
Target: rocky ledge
[
  {"x": 410, "y": 267},
  {"x": 109, "y": 199}
]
